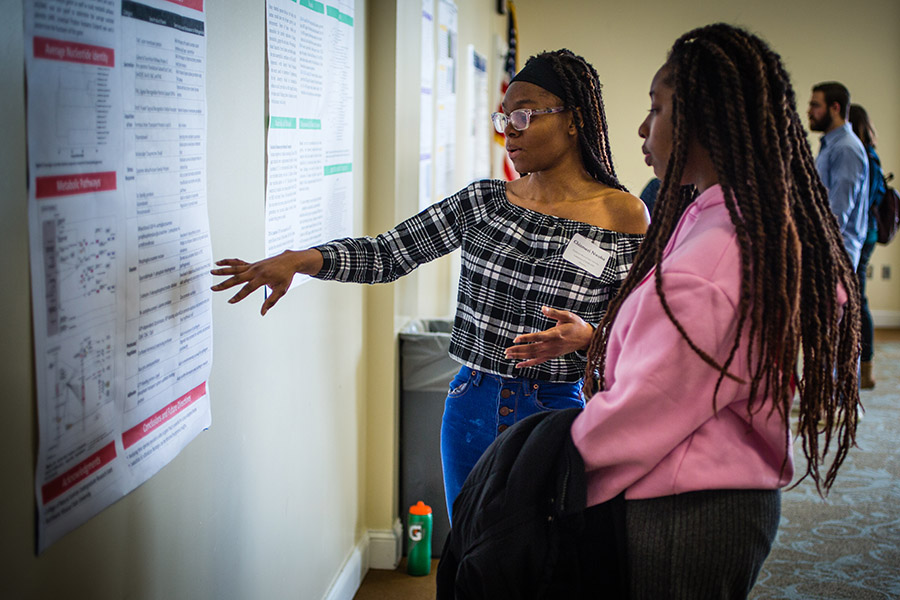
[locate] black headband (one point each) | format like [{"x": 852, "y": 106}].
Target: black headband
[{"x": 539, "y": 71}]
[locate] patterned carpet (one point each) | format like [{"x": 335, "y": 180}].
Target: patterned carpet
[{"x": 847, "y": 546}]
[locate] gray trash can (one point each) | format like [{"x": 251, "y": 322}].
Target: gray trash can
[{"x": 426, "y": 372}]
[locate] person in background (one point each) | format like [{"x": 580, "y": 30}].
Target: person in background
[
  {"x": 648, "y": 194},
  {"x": 541, "y": 258},
  {"x": 842, "y": 163},
  {"x": 862, "y": 127},
  {"x": 693, "y": 370}
]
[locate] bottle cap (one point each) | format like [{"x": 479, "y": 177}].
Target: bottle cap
[{"x": 420, "y": 508}]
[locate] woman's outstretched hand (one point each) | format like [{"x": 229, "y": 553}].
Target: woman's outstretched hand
[
  {"x": 570, "y": 333},
  {"x": 276, "y": 272}
]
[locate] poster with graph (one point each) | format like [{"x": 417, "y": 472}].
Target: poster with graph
[{"x": 119, "y": 244}]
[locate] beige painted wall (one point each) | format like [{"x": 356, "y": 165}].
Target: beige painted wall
[
  {"x": 819, "y": 40},
  {"x": 393, "y": 151}
]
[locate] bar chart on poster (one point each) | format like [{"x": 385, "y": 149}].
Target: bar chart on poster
[
  {"x": 119, "y": 244},
  {"x": 310, "y": 136}
]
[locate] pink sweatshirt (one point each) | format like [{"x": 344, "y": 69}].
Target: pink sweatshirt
[{"x": 653, "y": 431}]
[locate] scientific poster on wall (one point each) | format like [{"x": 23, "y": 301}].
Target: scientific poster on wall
[
  {"x": 480, "y": 129},
  {"x": 119, "y": 243},
  {"x": 426, "y": 107},
  {"x": 309, "y": 176},
  {"x": 445, "y": 98}
]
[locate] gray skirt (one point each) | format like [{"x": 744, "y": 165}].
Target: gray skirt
[{"x": 708, "y": 544}]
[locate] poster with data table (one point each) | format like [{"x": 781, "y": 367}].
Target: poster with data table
[
  {"x": 426, "y": 106},
  {"x": 119, "y": 245},
  {"x": 445, "y": 98},
  {"x": 309, "y": 174}
]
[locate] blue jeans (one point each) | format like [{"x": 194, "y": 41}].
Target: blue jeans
[{"x": 480, "y": 406}]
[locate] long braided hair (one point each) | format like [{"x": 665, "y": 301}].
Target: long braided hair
[
  {"x": 582, "y": 92},
  {"x": 733, "y": 95}
]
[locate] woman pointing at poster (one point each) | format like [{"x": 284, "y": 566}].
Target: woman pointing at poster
[{"x": 541, "y": 258}]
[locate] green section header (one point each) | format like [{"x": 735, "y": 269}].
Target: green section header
[
  {"x": 310, "y": 124},
  {"x": 313, "y": 5},
  {"x": 282, "y": 123},
  {"x": 343, "y": 18},
  {"x": 335, "y": 169}
]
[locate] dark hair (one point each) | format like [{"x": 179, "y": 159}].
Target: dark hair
[
  {"x": 733, "y": 95},
  {"x": 862, "y": 127},
  {"x": 581, "y": 87},
  {"x": 835, "y": 92}
]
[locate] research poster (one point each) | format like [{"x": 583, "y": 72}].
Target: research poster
[
  {"x": 480, "y": 130},
  {"x": 426, "y": 107},
  {"x": 445, "y": 97},
  {"x": 119, "y": 246},
  {"x": 309, "y": 173}
]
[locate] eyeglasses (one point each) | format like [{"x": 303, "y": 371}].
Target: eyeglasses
[{"x": 520, "y": 119}]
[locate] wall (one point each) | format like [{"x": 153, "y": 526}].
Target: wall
[
  {"x": 393, "y": 151},
  {"x": 819, "y": 40}
]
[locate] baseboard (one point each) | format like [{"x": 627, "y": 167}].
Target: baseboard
[
  {"x": 386, "y": 547},
  {"x": 888, "y": 319},
  {"x": 378, "y": 549},
  {"x": 350, "y": 577}
]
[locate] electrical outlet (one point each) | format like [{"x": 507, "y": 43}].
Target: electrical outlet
[
  {"x": 885, "y": 271},
  {"x": 870, "y": 271}
]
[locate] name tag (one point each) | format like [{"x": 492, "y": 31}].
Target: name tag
[{"x": 586, "y": 254}]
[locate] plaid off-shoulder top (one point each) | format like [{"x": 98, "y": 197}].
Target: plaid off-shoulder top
[{"x": 512, "y": 265}]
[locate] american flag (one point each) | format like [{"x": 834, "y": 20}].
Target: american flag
[{"x": 510, "y": 68}]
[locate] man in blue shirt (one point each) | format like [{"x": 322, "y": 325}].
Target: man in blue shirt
[{"x": 842, "y": 163}]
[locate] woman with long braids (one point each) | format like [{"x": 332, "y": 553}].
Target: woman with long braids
[
  {"x": 693, "y": 370},
  {"x": 541, "y": 258}
]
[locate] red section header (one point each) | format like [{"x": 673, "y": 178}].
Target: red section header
[
  {"x": 74, "y": 52},
  {"x": 141, "y": 430},
  {"x": 93, "y": 463},
  {"x": 195, "y": 4},
  {"x": 68, "y": 185}
]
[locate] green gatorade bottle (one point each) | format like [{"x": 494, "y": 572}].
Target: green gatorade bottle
[{"x": 418, "y": 560}]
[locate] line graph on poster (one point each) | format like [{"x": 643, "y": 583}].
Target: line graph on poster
[
  {"x": 79, "y": 376},
  {"x": 79, "y": 272}
]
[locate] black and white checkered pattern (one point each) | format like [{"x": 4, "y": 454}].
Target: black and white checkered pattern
[{"x": 512, "y": 265}]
